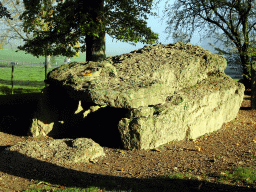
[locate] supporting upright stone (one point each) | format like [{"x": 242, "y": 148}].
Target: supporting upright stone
[{"x": 54, "y": 107}]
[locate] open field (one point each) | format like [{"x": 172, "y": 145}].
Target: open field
[
  {"x": 26, "y": 78},
  {"x": 21, "y": 56}
]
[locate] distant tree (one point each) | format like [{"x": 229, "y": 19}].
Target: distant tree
[
  {"x": 4, "y": 13},
  {"x": 230, "y": 51},
  {"x": 226, "y": 15},
  {"x": 179, "y": 36},
  {"x": 10, "y": 29},
  {"x": 90, "y": 22},
  {"x": 14, "y": 29},
  {"x": 37, "y": 23}
]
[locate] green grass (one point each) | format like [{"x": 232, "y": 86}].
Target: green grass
[
  {"x": 28, "y": 78},
  {"x": 21, "y": 56},
  {"x": 240, "y": 174},
  {"x": 71, "y": 189},
  {"x": 236, "y": 80},
  {"x": 31, "y": 79},
  {"x": 25, "y": 79}
]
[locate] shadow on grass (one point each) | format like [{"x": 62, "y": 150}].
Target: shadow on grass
[
  {"x": 6, "y": 90},
  {"x": 22, "y": 83}
]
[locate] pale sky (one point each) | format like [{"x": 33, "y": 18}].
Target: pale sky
[{"x": 157, "y": 25}]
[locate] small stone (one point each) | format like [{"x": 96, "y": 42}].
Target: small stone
[
  {"x": 240, "y": 162},
  {"x": 60, "y": 150}
]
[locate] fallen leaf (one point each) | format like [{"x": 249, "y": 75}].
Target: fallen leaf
[
  {"x": 199, "y": 148},
  {"x": 155, "y": 150},
  {"x": 62, "y": 187},
  {"x": 87, "y": 73}
]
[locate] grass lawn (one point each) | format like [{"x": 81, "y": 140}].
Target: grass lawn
[
  {"x": 26, "y": 79},
  {"x": 22, "y": 57}
]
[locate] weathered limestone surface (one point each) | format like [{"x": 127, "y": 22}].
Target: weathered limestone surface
[
  {"x": 60, "y": 151},
  {"x": 153, "y": 95}
]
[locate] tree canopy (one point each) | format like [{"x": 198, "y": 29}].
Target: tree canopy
[
  {"x": 230, "y": 17},
  {"x": 179, "y": 36},
  {"x": 12, "y": 29},
  {"x": 4, "y": 12},
  {"x": 235, "y": 18},
  {"x": 231, "y": 53},
  {"x": 123, "y": 24}
]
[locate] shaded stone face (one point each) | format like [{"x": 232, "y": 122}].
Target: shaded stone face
[
  {"x": 246, "y": 83},
  {"x": 13, "y": 118},
  {"x": 99, "y": 125},
  {"x": 147, "y": 98}
]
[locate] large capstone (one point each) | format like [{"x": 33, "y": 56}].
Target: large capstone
[{"x": 142, "y": 99}]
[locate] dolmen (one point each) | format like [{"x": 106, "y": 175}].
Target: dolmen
[{"x": 143, "y": 99}]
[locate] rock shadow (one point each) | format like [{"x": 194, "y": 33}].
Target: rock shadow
[
  {"x": 101, "y": 126},
  {"x": 17, "y": 164},
  {"x": 16, "y": 112}
]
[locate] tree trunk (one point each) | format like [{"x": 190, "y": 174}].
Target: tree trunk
[
  {"x": 246, "y": 81},
  {"x": 95, "y": 47},
  {"x": 48, "y": 61},
  {"x": 46, "y": 64},
  {"x": 253, "y": 83}
]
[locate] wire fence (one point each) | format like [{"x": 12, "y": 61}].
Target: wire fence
[
  {"x": 24, "y": 63},
  {"x": 9, "y": 63},
  {"x": 233, "y": 71}
]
